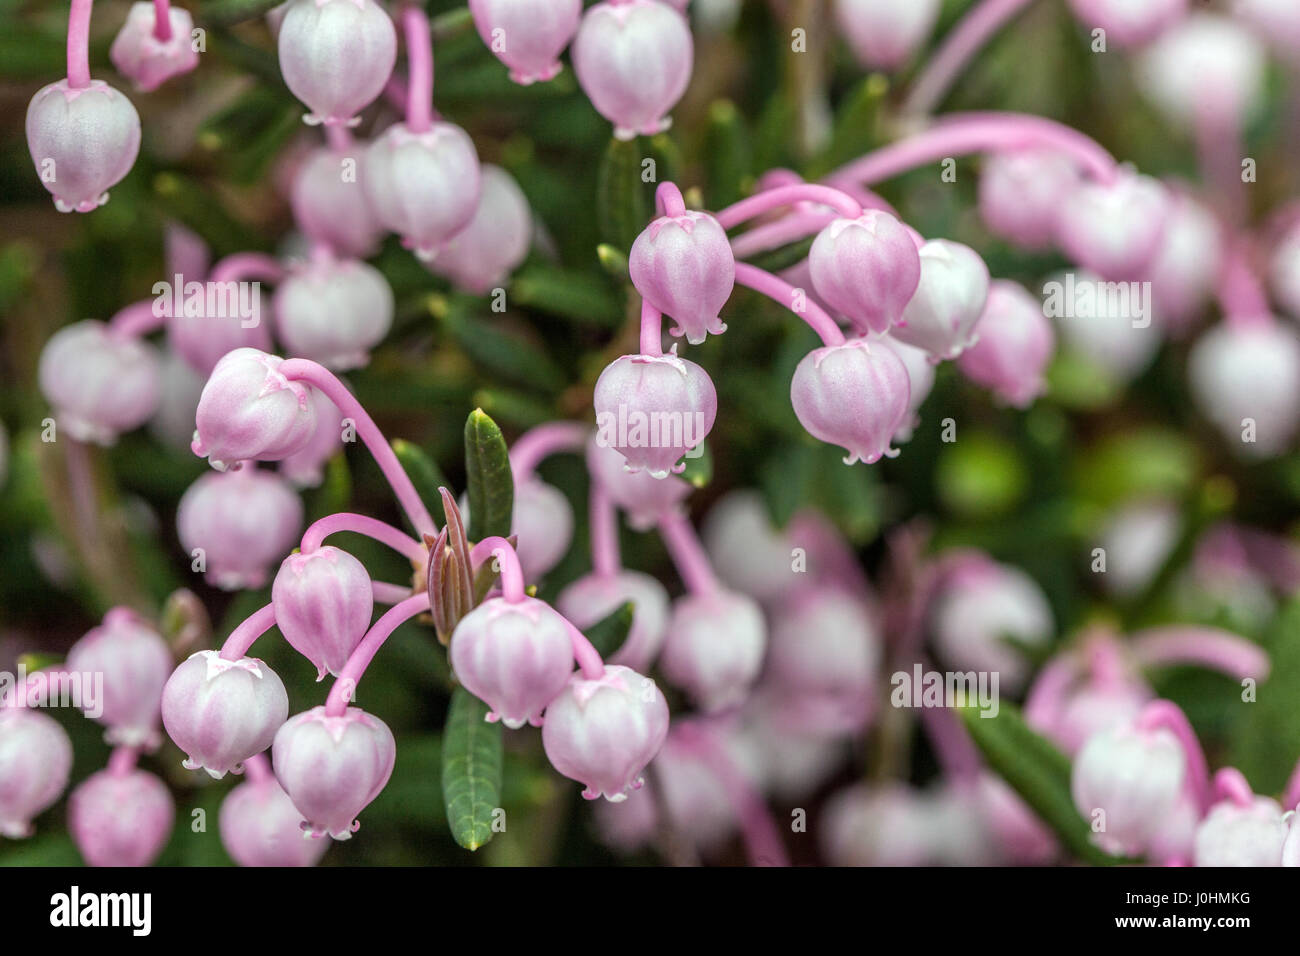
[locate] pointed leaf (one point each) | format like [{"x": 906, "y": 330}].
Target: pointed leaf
[
  {"x": 491, "y": 487},
  {"x": 623, "y": 204},
  {"x": 471, "y": 770},
  {"x": 424, "y": 474},
  {"x": 609, "y": 633}
]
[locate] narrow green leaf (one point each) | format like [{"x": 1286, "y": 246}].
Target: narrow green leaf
[
  {"x": 783, "y": 257},
  {"x": 856, "y": 125},
  {"x": 491, "y": 487},
  {"x": 508, "y": 354},
  {"x": 622, "y": 199},
  {"x": 471, "y": 770},
  {"x": 699, "y": 467},
  {"x": 226, "y": 12},
  {"x": 608, "y": 634},
  {"x": 424, "y": 474},
  {"x": 730, "y": 157},
  {"x": 613, "y": 261},
  {"x": 579, "y": 296}
]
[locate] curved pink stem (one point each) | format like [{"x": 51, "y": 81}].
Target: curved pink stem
[
  {"x": 585, "y": 653},
  {"x": 605, "y": 558},
  {"x": 344, "y": 689},
  {"x": 137, "y": 320},
  {"x": 652, "y": 334},
  {"x": 305, "y": 370},
  {"x": 1240, "y": 293},
  {"x": 687, "y": 553},
  {"x": 952, "y": 746},
  {"x": 1166, "y": 715},
  {"x": 963, "y": 41},
  {"x": 961, "y": 134},
  {"x": 773, "y": 235},
  {"x": 1206, "y": 646},
  {"x": 79, "y": 44},
  {"x": 668, "y": 200},
  {"x": 385, "y": 593},
  {"x": 781, "y": 292},
  {"x": 257, "y": 768},
  {"x": 243, "y": 636},
  {"x": 1230, "y": 784},
  {"x": 512, "y": 575},
  {"x": 760, "y": 203},
  {"x": 122, "y": 761},
  {"x": 543, "y": 441},
  {"x": 1047, "y": 695},
  {"x": 1220, "y": 152},
  {"x": 380, "y": 531},
  {"x": 162, "y": 20},
  {"x": 338, "y": 136},
  {"x": 762, "y": 837},
  {"x": 419, "y": 63},
  {"x": 247, "y": 265}
]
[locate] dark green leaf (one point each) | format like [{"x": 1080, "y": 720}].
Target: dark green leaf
[
  {"x": 225, "y": 12},
  {"x": 569, "y": 294},
  {"x": 471, "y": 770},
  {"x": 730, "y": 157},
  {"x": 699, "y": 467},
  {"x": 487, "y": 469},
  {"x": 622, "y": 200},
  {"x": 608, "y": 634},
  {"x": 424, "y": 474}
]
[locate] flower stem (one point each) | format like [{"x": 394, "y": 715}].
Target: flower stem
[
  {"x": 247, "y": 265},
  {"x": 242, "y": 637},
  {"x": 668, "y": 200},
  {"x": 512, "y": 575},
  {"x": 122, "y": 761},
  {"x": 588, "y": 658},
  {"x": 952, "y": 746},
  {"x": 784, "y": 294},
  {"x": 1229, "y": 784},
  {"x": 760, "y": 833},
  {"x": 542, "y": 442},
  {"x": 344, "y": 689},
  {"x": 79, "y": 44},
  {"x": 136, "y": 320},
  {"x": 652, "y": 335},
  {"x": 1210, "y": 648},
  {"x": 1242, "y": 297},
  {"x": 605, "y": 557},
  {"x": 1166, "y": 715},
  {"x": 385, "y": 593},
  {"x": 162, "y": 20},
  {"x": 687, "y": 553},
  {"x": 380, "y": 531},
  {"x": 772, "y": 235},
  {"x": 419, "y": 63},
  {"x": 769, "y": 199},
  {"x": 258, "y": 769}
]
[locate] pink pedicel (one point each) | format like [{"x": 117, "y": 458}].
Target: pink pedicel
[
  {"x": 250, "y": 411},
  {"x": 1207, "y": 70},
  {"x": 515, "y": 656},
  {"x": 336, "y": 56},
  {"x": 883, "y": 34},
  {"x": 235, "y": 525},
  {"x": 83, "y": 140},
  {"x": 1020, "y": 194},
  {"x": 332, "y": 768},
  {"x": 1129, "y": 23},
  {"x": 633, "y": 59},
  {"x": 866, "y": 268},
  {"x": 855, "y": 395},
  {"x": 121, "y": 818},
  {"x": 220, "y": 712},
  {"x": 481, "y": 256},
  {"x": 654, "y": 409},
  {"x": 260, "y": 826},
  {"x": 423, "y": 185},
  {"x": 1014, "y": 346},
  {"x": 329, "y": 202},
  {"x": 1114, "y": 229},
  {"x": 333, "y": 311},
  {"x": 714, "y": 649},
  {"x": 602, "y": 732},
  {"x": 1245, "y": 378},
  {"x": 595, "y": 596},
  {"x": 942, "y": 315},
  {"x": 99, "y": 383},
  {"x": 305, "y": 468},
  {"x": 643, "y": 497},
  {"x": 135, "y": 663},
  {"x": 147, "y": 59},
  {"x": 684, "y": 267},
  {"x": 35, "y": 761},
  {"x": 323, "y": 603},
  {"x": 528, "y": 36}
]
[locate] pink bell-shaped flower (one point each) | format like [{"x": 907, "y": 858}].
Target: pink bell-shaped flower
[
  {"x": 332, "y": 768},
  {"x": 1246, "y": 379},
  {"x": 100, "y": 384},
  {"x": 543, "y": 522},
  {"x": 260, "y": 826},
  {"x": 83, "y": 141},
  {"x": 1207, "y": 69},
  {"x": 1114, "y": 229},
  {"x": 855, "y": 395},
  {"x": 121, "y": 819},
  {"x": 1015, "y": 343},
  {"x": 527, "y": 35},
  {"x": 481, "y": 256},
  {"x": 305, "y": 468},
  {"x": 942, "y": 314},
  {"x": 135, "y": 663},
  {"x": 1020, "y": 194},
  {"x": 633, "y": 59},
  {"x": 203, "y": 339},
  {"x": 1108, "y": 330},
  {"x": 236, "y": 524},
  {"x": 715, "y": 646},
  {"x": 654, "y": 409},
  {"x": 1276, "y": 21},
  {"x": 221, "y": 712},
  {"x": 333, "y": 311},
  {"x": 514, "y": 656},
  {"x": 35, "y": 760},
  {"x": 603, "y": 732},
  {"x": 424, "y": 186},
  {"x": 684, "y": 267},
  {"x": 336, "y": 56},
  {"x": 179, "y": 388},
  {"x": 323, "y": 604},
  {"x": 643, "y": 497},
  {"x": 920, "y": 376},
  {"x": 147, "y": 58},
  {"x": 1187, "y": 263},
  {"x": 1236, "y": 834},
  {"x": 866, "y": 268},
  {"x": 249, "y": 411},
  {"x": 329, "y": 202},
  {"x": 1129, "y": 23},
  {"x": 1284, "y": 272},
  {"x": 594, "y": 597},
  {"x": 884, "y": 34}
]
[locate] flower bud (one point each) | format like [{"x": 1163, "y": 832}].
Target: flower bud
[
  {"x": 1284, "y": 272},
  {"x": 543, "y": 522},
  {"x": 889, "y": 825},
  {"x": 236, "y": 524},
  {"x": 1020, "y": 194},
  {"x": 336, "y": 56},
  {"x": 146, "y": 60},
  {"x": 941, "y": 315},
  {"x": 260, "y": 826},
  {"x": 329, "y": 202},
  {"x": 1205, "y": 70},
  {"x": 220, "y": 712},
  {"x": 1114, "y": 229},
  {"x": 1184, "y": 269},
  {"x": 594, "y": 597},
  {"x": 334, "y": 311},
  {"x": 603, "y": 732},
  {"x": 423, "y": 186},
  {"x": 866, "y": 268},
  {"x": 481, "y": 256},
  {"x": 684, "y": 267},
  {"x": 527, "y": 35},
  {"x": 1014, "y": 345},
  {"x": 884, "y": 34},
  {"x": 179, "y": 388},
  {"x": 654, "y": 409},
  {"x": 1276, "y": 21},
  {"x": 121, "y": 819},
  {"x": 633, "y": 59},
  {"x": 99, "y": 383},
  {"x": 1246, "y": 379},
  {"x": 514, "y": 656},
  {"x": 1138, "y": 539},
  {"x": 249, "y": 411},
  {"x": 203, "y": 339},
  {"x": 135, "y": 663},
  {"x": 920, "y": 378},
  {"x": 323, "y": 603},
  {"x": 35, "y": 760},
  {"x": 695, "y": 799},
  {"x": 305, "y": 468},
  {"x": 1108, "y": 331},
  {"x": 641, "y": 496},
  {"x": 714, "y": 649},
  {"x": 82, "y": 141},
  {"x": 855, "y": 395},
  {"x": 1129, "y": 23},
  {"x": 1236, "y": 835}
]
